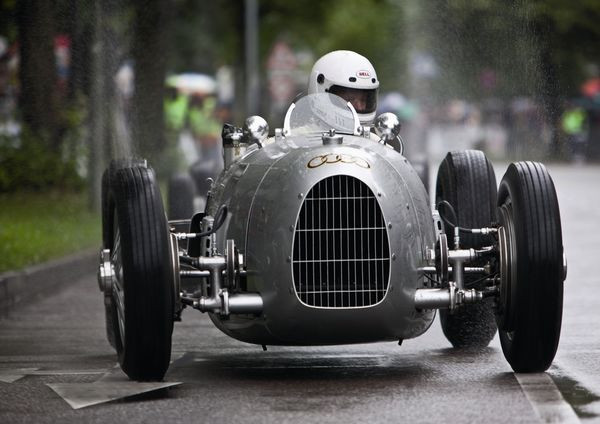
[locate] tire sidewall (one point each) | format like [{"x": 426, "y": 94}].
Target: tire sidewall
[
  {"x": 529, "y": 335},
  {"x": 147, "y": 284}
]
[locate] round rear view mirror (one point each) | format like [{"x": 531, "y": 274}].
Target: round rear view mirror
[
  {"x": 387, "y": 126},
  {"x": 255, "y": 130}
]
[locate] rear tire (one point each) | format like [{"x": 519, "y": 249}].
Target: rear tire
[
  {"x": 143, "y": 290},
  {"x": 467, "y": 181},
  {"x": 530, "y": 305}
]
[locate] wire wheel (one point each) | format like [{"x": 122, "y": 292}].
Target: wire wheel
[{"x": 118, "y": 293}]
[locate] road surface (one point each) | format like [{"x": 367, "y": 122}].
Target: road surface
[{"x": 58, "y": 346}]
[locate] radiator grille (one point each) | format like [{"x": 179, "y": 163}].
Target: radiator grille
[{"x": 341, "y": 256}]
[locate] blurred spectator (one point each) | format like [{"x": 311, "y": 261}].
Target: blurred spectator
[
  {"x": 206, "y": 130},
  {"x": 176, "y": 110},
  {"x": 8, "y": 89},
  {"x": 575, "y": 125},
  {"x": 527, "y": 134}
]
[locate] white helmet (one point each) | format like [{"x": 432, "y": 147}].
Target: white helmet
[{"x": 350, "y": 76}]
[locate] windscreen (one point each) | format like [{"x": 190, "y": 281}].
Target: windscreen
[{"x": 317, "y": 113}]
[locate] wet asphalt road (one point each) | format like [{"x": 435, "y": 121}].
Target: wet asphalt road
[{"x": 61, "y": 340}]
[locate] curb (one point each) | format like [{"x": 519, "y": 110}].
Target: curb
[{"x": 18, "y": 288}]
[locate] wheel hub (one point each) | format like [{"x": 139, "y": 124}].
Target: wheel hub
[
  {"x": 106, "y": 272},
  {"x": 508, "y": 268}
]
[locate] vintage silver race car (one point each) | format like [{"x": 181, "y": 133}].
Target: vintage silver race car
[{"x": 323, "y": 235}]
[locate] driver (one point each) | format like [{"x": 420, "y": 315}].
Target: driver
[{"x": 350, "y": 76}]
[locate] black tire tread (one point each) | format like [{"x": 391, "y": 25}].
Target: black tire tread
[
  {"x": 107, "y": 207},
  {"x": 146, "y": 352},
  {"x": 466, "y": 179},
  {"x": 538, "y": 313},
  {"x": 107, "y": 203}
]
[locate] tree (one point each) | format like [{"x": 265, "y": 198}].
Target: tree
[
  {"x": 39, "y": 103},
  {"x": 535, "y": 48},
  {"x": 372, "y": 28},
  {"x": 569, "y": 37},
  {"x": 149, "y": 51}
]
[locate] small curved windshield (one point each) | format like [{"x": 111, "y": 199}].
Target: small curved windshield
[{"x": 317, "y": 113}]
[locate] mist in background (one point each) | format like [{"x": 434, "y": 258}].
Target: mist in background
[{"x": 82, "y": 82}]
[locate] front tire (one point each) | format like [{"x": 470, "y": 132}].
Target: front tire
[
  {"x": 467, "y": 181},
  {"x": 532, "y": 269},
  {"x": 142, "y": 294},
  {"x": 110, "y": 312}
]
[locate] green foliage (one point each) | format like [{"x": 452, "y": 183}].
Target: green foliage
[
  {"x": 208, "y": 34},
  {"x": 534, "y": 46},
  {"x": 572, "y": 35},
  {"x": 28, "y": 163},
  {"x": 470, "y": 37},
  {"x": 205, "y": 34},
  {"x": 8, "y": 28},
  {"x": 466, "y": 37},
  {"x": 369, "y": 27},
  {"x": 36, "y": 227},
  {"x": 373, "y": 29}
]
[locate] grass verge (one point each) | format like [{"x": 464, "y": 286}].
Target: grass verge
[{"x": 36, "y": 227}]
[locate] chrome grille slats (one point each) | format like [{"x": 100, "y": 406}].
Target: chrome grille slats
[{"x": 341, "y": 253}]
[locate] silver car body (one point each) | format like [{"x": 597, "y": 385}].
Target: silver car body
[{"x": 265, "y": 191}]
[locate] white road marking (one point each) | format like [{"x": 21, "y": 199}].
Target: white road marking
[
  {"x": 579, "y": 373},
  {"x": 546, "y": 399},
  {"x": 113, "y": 385},
  {"x": 113, "y": 374},
  {"x": 80, "y": 395},
  {"x": 66, "y": 372},
  {"x": 12, "y": 375}
]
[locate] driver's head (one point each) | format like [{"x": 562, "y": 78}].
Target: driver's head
[{"x": 350, "y": 76}]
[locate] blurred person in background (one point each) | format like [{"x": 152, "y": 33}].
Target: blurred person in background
[
  {"x": 206, "y": 131},
  {"x": 204, "y": 125},
  {"x": 193, "y": 133},
  {"x": 575, "y": 125},
  {"x": 176, "y": 157},
  {"x": 8, "y": 89},
  {"x": 176, "y": 111},
  {"x": 5, "y": 94}
]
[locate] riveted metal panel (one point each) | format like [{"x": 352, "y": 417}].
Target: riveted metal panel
[{"x": 265, "y": 203}]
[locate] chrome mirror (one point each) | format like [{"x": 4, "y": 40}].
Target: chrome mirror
[
  {"x": 255, "y": 130},
  {"x": 387, "y": 127}
]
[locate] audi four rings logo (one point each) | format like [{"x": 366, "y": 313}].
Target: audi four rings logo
[{"x": 337, "y": 158}]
